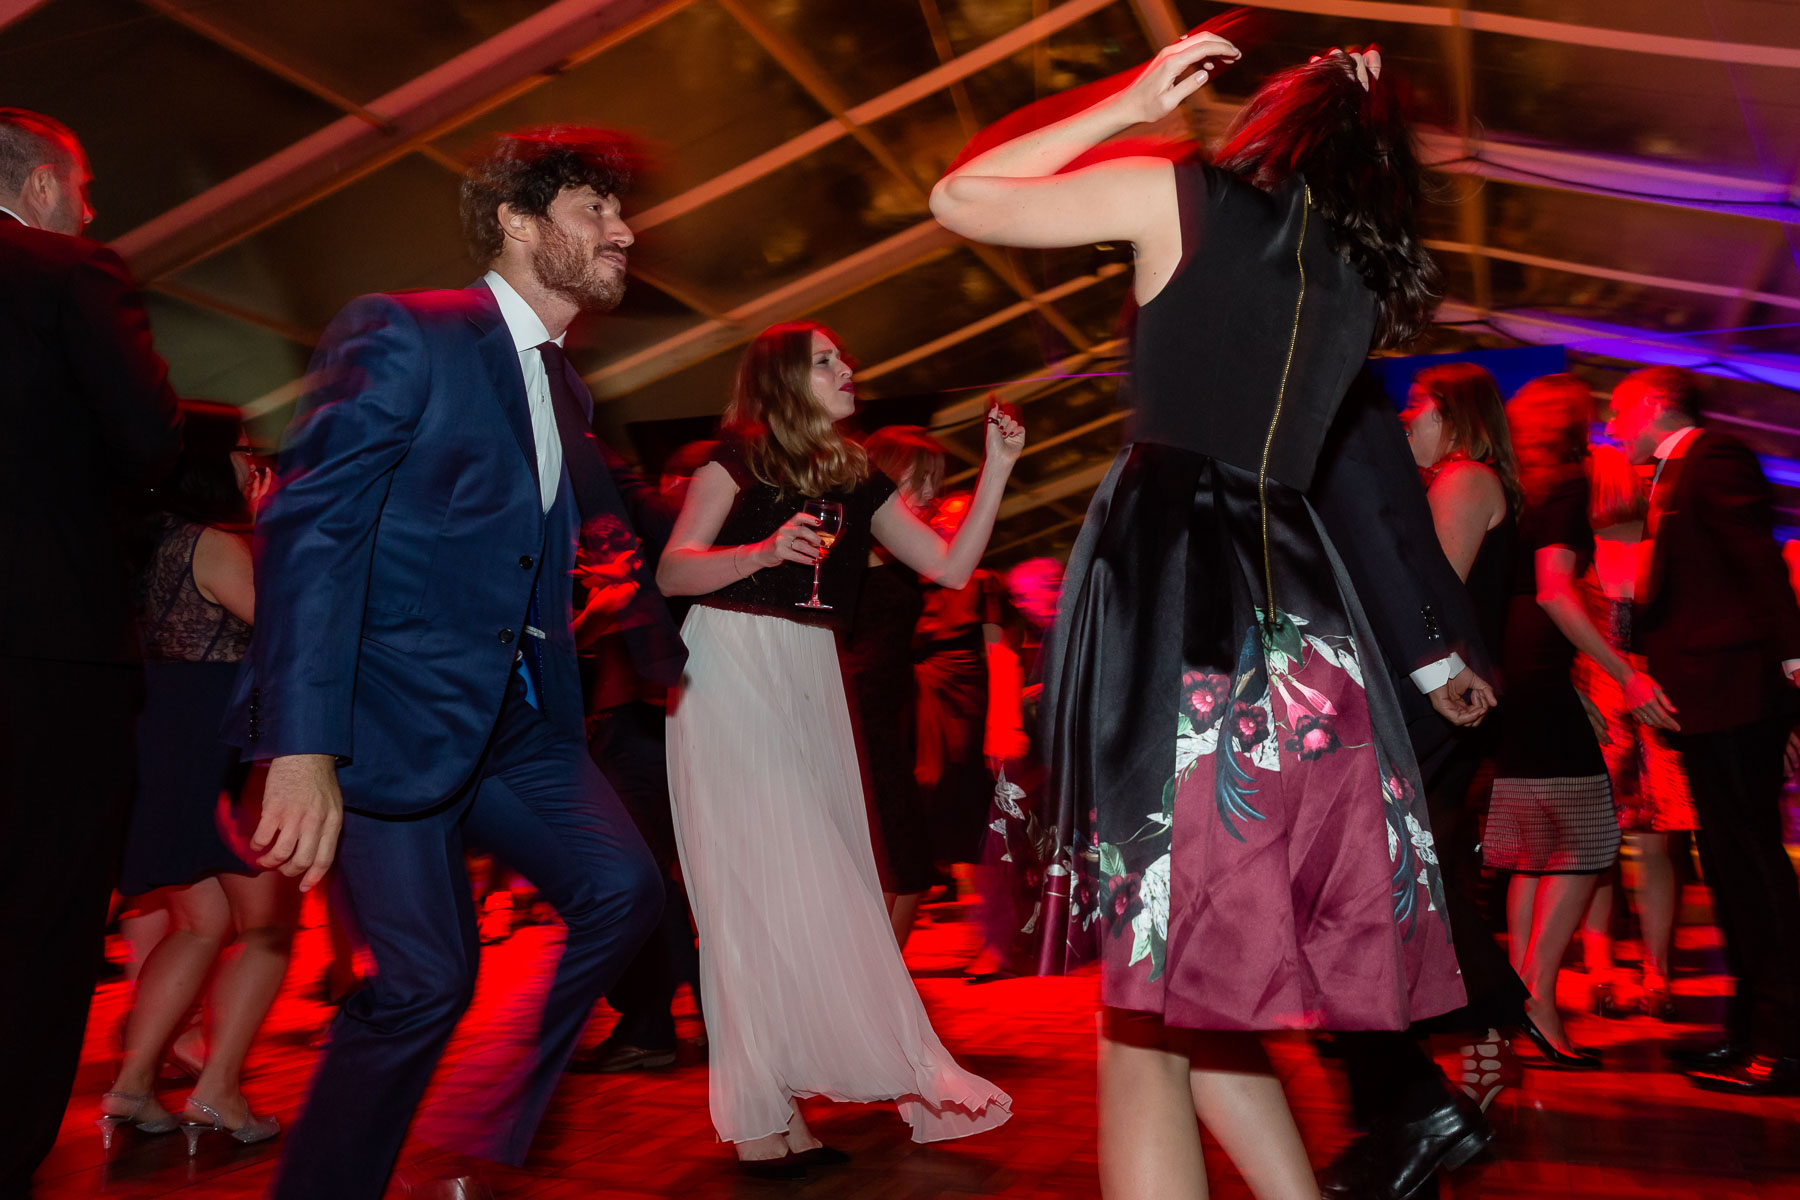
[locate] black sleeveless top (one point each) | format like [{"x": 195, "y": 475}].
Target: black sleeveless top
[
  {"x": 1230, "y": 335},
  {"x": 759, "y": 510}
]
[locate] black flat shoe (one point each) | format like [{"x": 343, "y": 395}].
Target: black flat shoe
[
  {"x": 1399, "y": 1160},
  {"x": 1582, "y": 1060},
  {"x": 823, "y": 1156},
  {"x": 787, "y": 1167}
]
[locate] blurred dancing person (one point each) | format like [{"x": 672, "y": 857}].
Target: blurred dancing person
[
  {"x": 1650, "y": 787},
  {"x": 626, "y": 719},
  {"x": 1551, "y": 820},
  {"x": 1719, "y": 625},
  {"x": 196, "y": 597},
  {"x": 806, "y": 992},
  {"x": 878, "y": 666},
  {"x": 88, "y": 414},
  {"x": 951, "y": 645},
  {"x": 413, "y": 673},
  {"x": 1442, "y": 575},
  {"x": 1205, "y": 624}
]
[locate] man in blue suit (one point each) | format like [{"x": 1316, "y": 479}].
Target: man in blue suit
[{"x": 412, "y": 682}]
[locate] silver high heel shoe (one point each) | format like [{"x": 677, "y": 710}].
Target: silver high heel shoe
[
  {"x": 110, "y": 1122},
  {"x": 254, "y": 1129}
]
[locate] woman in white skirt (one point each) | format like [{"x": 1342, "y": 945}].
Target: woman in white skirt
[{"x": 806, "y": 992}]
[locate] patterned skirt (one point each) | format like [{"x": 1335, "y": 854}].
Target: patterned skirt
[{"x": 1240, "y": 824}]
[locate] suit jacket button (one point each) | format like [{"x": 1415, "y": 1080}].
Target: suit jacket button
[
  {"x": 506, "y": 637},
  {"x": 526, "y": 561}
]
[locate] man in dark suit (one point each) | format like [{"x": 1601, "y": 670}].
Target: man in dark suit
[
  {"x": 88, "y": 412},
  {"x": 413, "y": 670},
  {"x": 1716, "y": 619},
  {"x": 1368, "y": 494}
]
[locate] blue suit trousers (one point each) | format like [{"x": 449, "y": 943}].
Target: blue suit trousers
[{"x": 538, "y": 803}]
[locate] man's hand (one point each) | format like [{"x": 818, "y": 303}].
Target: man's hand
[
  {"x": 1464, "y": 699},
  {"x": 1648, "y": 702},
  {"x": 302, "y": 814}
]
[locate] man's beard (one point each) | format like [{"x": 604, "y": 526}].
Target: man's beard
[{"x": 569, "y": 269}]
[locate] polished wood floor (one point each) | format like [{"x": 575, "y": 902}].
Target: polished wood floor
[{"x": 1634, "y": 1130}]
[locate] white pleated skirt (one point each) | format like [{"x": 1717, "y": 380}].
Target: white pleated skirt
[{"x": 805, "y": 990}]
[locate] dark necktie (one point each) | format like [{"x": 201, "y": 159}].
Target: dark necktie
[
  {"x": 581, "y": 457},
  {"x": 655, "y": 646}
]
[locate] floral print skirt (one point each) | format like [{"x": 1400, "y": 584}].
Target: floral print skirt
[{"x": 1241, "y": 835}]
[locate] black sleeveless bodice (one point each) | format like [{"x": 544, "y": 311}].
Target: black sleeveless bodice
[{"x": 1225, "y": 341}]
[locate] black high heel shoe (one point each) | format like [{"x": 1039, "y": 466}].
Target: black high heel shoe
[{"x": 1581, "y": 1060}]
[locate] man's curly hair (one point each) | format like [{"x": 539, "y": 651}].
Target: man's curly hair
[{"x": 529, "y": 168}]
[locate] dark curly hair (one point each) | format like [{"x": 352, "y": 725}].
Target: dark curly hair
[
  {"x": 1355, "y": 149},
  {"x": 529, "y": 168}
]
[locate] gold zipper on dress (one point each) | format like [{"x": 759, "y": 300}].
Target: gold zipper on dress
[{"x": 1262, "y": 476}]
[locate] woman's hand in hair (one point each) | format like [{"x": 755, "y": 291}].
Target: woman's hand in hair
[
  {"x": 1005, "y": 435},
  {"x": 1181, "y": 69},
  {"x": 796, "y": 541}
]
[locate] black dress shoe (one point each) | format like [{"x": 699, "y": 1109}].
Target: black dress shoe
[
  {"x": 1706, "y": 1058},
  {"x": 1760, "y": 1075},
  {"x": 1399, "y": 1160},
  {"x": 787, "y": 1167},
  {"x": 612, "y": 1058}
]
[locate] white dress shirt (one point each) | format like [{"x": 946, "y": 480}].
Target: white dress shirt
[
  {"x": 528, "y": 333},
  {"x": 15, "y": 216}
]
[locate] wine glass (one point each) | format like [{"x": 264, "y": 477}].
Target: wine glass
[{"x": 830, "y": 515}]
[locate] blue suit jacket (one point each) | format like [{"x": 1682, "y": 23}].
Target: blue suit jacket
[{"x": 399, "y": 558}]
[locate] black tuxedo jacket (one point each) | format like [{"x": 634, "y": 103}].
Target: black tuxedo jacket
[
  {"x": 1715, "y": 615},
  {"x": 88, "y": 414},
  {"x": 1367, "y": 492}
]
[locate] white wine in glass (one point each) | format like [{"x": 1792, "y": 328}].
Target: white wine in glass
[{"x": 830, "y": 515}]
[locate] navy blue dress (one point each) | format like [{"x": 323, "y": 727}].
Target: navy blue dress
[{"x": 188, "y": 779}]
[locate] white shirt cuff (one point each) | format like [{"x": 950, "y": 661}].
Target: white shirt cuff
[
  {"x": 1790, "y": 665},
  {"x": 1432, "y": 676}
]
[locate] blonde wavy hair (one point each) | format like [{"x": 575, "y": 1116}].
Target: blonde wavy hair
[{"x": 791, "y": 442}]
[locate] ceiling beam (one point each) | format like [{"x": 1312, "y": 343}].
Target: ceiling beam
[
  {"x": 443, "y": 99},
  {"x": 1615, "y": 177},
  {"x": 1038, "y": 446},
  {"x": 800, "y": 66},
  {"x": 1003, "y": 547},
  {"x": 992, "y": 321},
  {"x": 1592, "y": 271},
  {"x": 194, "y": 23},
  {"x": 870, "y": 111},
  {"x": 1471, "y": 206},
  {"x": 963, "y": 411},
  {"x": 1561, "y": 32},
  {"x": 1083, "y": 479},
  {"x": 700, "y": 341},
  {"x": 1626, "y": 343}
]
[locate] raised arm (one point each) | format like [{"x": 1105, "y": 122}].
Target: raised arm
[
  {"x": 1018, "y": 194},
  {"x": 950, "y": 564}
]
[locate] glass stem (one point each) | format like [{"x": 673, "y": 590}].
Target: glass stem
[{"x": 815, "y": 594}]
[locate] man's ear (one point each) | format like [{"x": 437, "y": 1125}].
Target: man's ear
[
  {"x": 517, "y": 225},
  {"x": 43, "y": 186}
]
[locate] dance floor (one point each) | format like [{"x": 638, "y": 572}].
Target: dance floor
[{"x": 1632, "y": 1130}]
